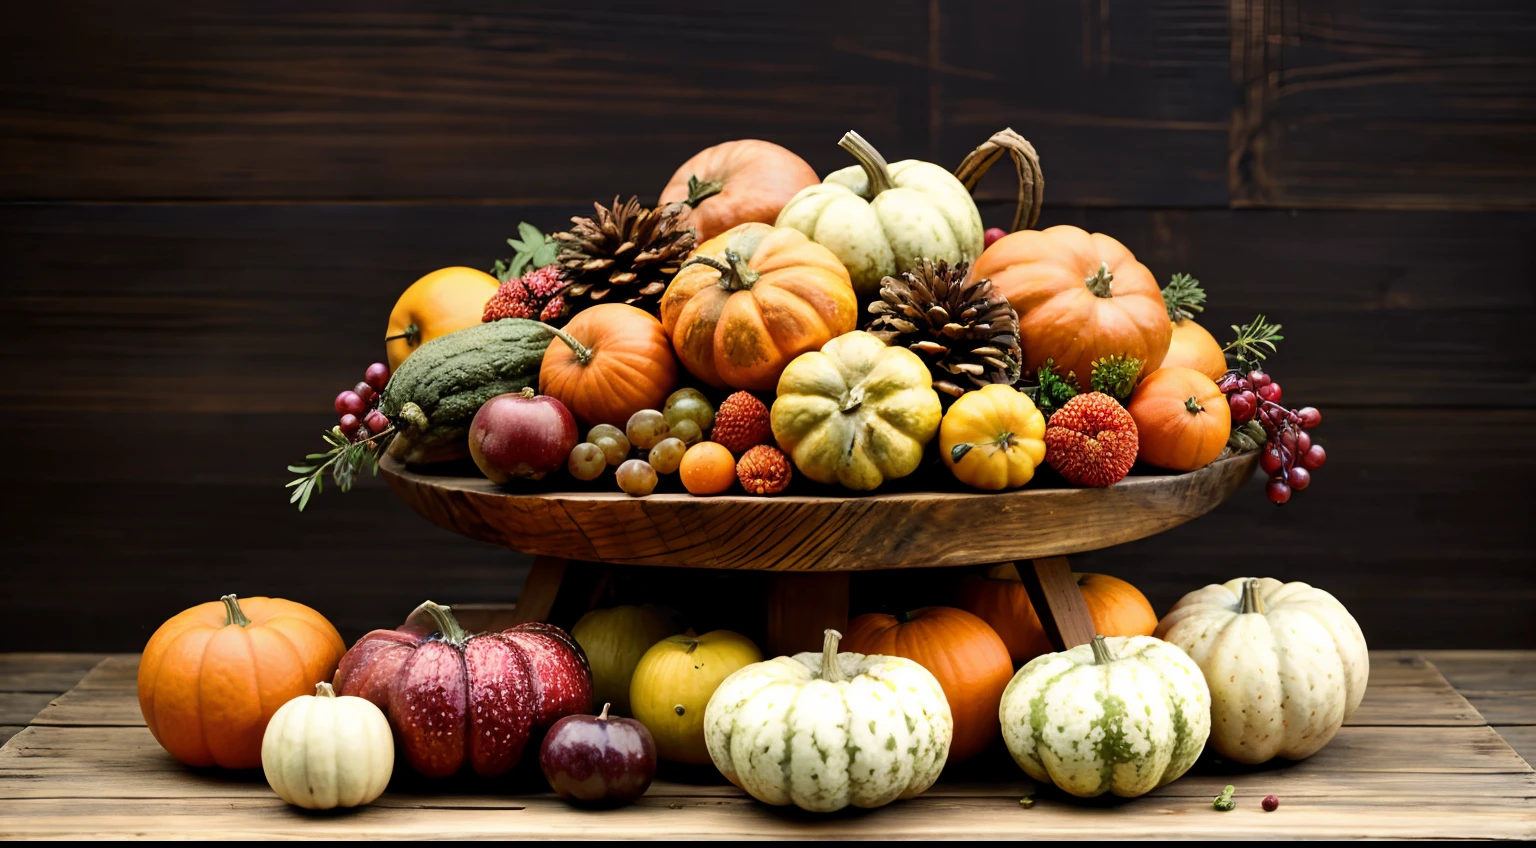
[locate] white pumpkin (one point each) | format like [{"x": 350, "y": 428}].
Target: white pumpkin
[
  {"x": 1120, "y": 714},
  {"x": 822, "y": 731},
  {"x": 1286, "y": 663},
  {"x": 321, "y": 751}
]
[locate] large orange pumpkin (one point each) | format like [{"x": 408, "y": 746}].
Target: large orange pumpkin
[
  {"x": 736, "y": 183},
  {"x": 1080, "y": 296},
  {"x": 963, "y": 653},
  {"x": 999, "y": 599},
  {"x": 1182, "y": 419},
  {"x": 1193, "y": 346},
  {"x": 444, "y": 301},
  {"x": 752, "y": 299},
  {"x": 212, "y": 676},
  {"x": 608, "y": 363}
]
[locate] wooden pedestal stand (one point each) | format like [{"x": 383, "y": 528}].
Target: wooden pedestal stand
[{"x": 811, "y": 545}]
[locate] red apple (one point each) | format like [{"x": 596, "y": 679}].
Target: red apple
[
  {"x": 522, "y": 436},
  {"x": 598, "y": 759}
]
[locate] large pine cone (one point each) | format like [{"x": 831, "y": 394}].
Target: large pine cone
[
  {"x": 965, "y": 331},
  {"x": 623, "y": 254}
]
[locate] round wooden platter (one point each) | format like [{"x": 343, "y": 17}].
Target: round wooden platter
[{"x": 811, "y": 533}]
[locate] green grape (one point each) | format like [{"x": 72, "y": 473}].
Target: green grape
[
  {"x": 690, "y": 405},
  {"x": 688, "y": 431},
  {"x": 637, "y": 477},
  {"x": 612, "y": 441},
  {"x": 667, "y": 455},
  {"x": 587, "y": 461},
  {"x": 646, "y": 428}
]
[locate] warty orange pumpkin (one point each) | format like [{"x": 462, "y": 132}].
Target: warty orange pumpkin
[{"x": 608, "y": 363}]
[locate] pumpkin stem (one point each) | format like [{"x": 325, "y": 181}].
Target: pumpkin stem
[
  {"x": 1101, "y": 651},
  {"x": 412, "y": 335},
  {"x": 853, "y": 400},
  {"x": 324, "y": 690},
  {"x": 1193, "y": 405},
  {"x": 830, "y": 670},
  {"x": 702, "y": 190},
  {"x": 233, "y": 611},
  {"x": 875, "y": 168},
  {"x": 603, "y": 716},
  {"x": 693, "y": 645},
  {"x": 582, "y": 352},
  {"x": 1099, "y": 282},
  {"x": 735, "y": 275},
  {"x": 1252, "y": 603},
  {"x": 452, "y": 632},
  {"x": 904, "y": 617}
]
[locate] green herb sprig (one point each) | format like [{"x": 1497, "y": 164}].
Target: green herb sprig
[
  {"x": 532, "y": 250},
  {"x": 1183, "y": 297},
  {"x": 1051, "y": 389},
  {"x": 1254, "y": 343},
  {"x": 344, "y": 460}
]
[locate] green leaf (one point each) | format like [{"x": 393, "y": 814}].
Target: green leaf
[
  {"x": 1183, "y": 297},
  {"x": 530, "y": 233},
  {"x": 301, "y": 469},
  {"x": 1255, "y": 341}
]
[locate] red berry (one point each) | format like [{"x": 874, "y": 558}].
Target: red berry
[
  {"x": 377, "y": 376},
  {"x": 1288, "y": 440},
  {"x": 348, "y": 403},
  {"x": 1270, "y": 391},
  {"x": 349, "y": 425},
  {"x": 367, "y": 393},
  {"x": 376, "y": 422},
  {"x": 991, "y": 235},
  {"x": 1270, "y": 803},
  {"x": 1303, "y": 442},
  {"x": 1314, "y": 458},
  {"x": 1277, "y": 491},
  {"x": 1258, "y": 377},
  {"x": 1299, "y": 478},
  {"x": 1270, "y": 461},
  {"x": 1242, "y": 406},
  {"x": 1309, "y": 416}
]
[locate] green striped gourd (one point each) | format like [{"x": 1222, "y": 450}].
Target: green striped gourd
[
  {"x": 822, "y": 731},
  {"x": 437, "y": 390},
  {"x": 1120, "y": 714}
]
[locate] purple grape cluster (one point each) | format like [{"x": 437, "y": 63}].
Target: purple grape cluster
[
  {"x": 359, "y": 405},
  {"x": 1289, "y": 457}
]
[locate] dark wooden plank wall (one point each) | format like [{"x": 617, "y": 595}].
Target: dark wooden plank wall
[{"x": 206, "y": 211}]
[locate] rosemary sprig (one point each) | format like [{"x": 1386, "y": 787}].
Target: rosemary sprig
[
  {"x": 345, "y": 459},
  {"x": 1253, "y": 340},
  {"x": 532, "y": 251},
  {"x": 1184, "y": 297},
  {"x": 1051, "y": 389}
]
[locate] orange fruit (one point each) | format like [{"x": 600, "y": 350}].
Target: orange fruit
[
  {"x": 707, "y": 469},
  {"x": 444, "y": 301}
]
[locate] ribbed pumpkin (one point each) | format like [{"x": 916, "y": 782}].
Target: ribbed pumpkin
[
  {"x": 321, "y": 752},
  {"x": 1182, "y": 419},
  {"x": 1080, "y": 297},
  {"x": 752, "y": 299},
  {"x": 212, "y": 677},
  {"x": 999, "y": 599},
  {"x": 964, "y": 654},
  {"x": 1116, "y": 715},
  {"x": 608, "y": 363},
  {"x": 736, "y": 182},
  {"x": 1193, "y": 346},
  {"x": 993, "y": 438}
]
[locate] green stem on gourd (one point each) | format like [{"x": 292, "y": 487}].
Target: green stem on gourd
[
  {"x": 234, "y": 614},
  {"x": 452, "y": 632},
  {"x": 1252, "y": 603},
  {"x": 324, "y": 690},
  {"x": 875, "y": 168},
  {"x": 702, "y": 190},
  {"x": 411, "y": 335},
  {"x": 1099, "y": 281},
  {"x": 693, "y": 645},
  {"x": 582, "y": 353},
  {"x": 603, "y": 716},
  {"x": 1193, "y": 405},
  {"x": 830, "y": 670},
  {"x": 1101, "y": 651},
  {"x": 735, "y": 274},
  {"x": 904, "y": 617}
]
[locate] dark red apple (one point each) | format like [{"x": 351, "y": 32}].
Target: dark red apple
[
  {"x": 598, "y": 760},
  {"x": 523, "y": 436}
]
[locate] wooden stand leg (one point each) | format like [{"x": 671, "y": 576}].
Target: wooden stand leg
[
  {"x": 800, "y": 606},
  {"x": 1058, "y": 602}
]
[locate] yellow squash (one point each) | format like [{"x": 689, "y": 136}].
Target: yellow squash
[
  {"x": 673, "y": 683},
  {"x": 993, "y": 438},
  {"x": 614, "y": 640},
  {"x": 856, "y": 412}
]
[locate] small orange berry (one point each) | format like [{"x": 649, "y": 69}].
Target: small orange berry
[{"x": 707, "y": 469}]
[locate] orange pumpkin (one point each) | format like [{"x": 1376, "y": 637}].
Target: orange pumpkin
[
  {"x": 963, "y": 653},
  {"x": 444, "y": 301},
  {"x": 999, "y": 599},
  {"x": 752, "y": 299},
  {"x": 736, "y": 183},
  {"x": 212, "y": 676},
  {"x": 608, "y": 363},
  {"x": 1192, "y": 346},
  {"x": 1182, "y": 419},
  {"x": 1080, "y": 296}
]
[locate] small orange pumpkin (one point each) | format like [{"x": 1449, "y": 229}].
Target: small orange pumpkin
[
  {"x": 1080, "y": 296},
  {"x": 1182, "y": 419},
  {"x": 999, "y": 599},
  {"x": 736, "y": 183},
  {"x": 212, "y": 676},
  {"x": 1193, "y": 346},
  {"x": 960, "y": 650},
  {"x": 752, "y": 299},
  {"x": 608, "y": 363}
]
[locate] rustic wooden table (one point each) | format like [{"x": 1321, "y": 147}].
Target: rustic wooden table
[{"x": 1434, "y": 751}]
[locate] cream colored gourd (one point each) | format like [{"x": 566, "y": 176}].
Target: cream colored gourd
[
  {"x": 321, "y": 751},
  {"x": 1287, "y": 664},
  {"x": 1120, "y": 714},
  {"x": 823, "y": 731},
  {"x": 880, "y": 219}
]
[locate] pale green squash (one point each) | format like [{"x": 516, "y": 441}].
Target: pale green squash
[
  {"x": 880, "y": 219},
  {"x": 1121, "y": 714}
]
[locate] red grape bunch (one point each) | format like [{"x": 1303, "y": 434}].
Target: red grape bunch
[
  {"x": 1289, "y": 456},
  {"x": 359, "y": 405}
]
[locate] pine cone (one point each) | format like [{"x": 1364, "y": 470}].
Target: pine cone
[
  {"x": 624, "y": 254},
  {"x": 965, "y": 331}
]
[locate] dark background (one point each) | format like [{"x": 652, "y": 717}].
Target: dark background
[{"x": 207, "y": 210}]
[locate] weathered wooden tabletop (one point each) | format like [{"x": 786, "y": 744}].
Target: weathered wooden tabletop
[{"x": 1434, "y": 751}]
